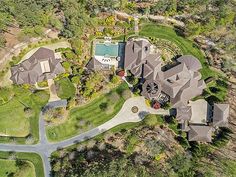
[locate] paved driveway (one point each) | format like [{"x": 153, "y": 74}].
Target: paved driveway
[
  {"x": 52, "y": 90},
  {"x": 45, "y": 148},
  {"x": 62, "y": 44}
]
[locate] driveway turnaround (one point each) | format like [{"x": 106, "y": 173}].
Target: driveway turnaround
[{"x": 133, "y": 110}]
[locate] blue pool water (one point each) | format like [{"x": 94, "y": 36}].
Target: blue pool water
[{"x": 106, "y": 50}]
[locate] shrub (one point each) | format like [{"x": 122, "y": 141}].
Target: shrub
[
  {"x": 103, "y": 106},
  {"x": 152, "y": 120},
  {"x": 28, "y": 111},
  {"x": 115, "y": 79},
  {"x": 166, "y": 105},
  {"x": 52, "y": 114},
  {"x": 66, "y": 65},
  {"x": 75, "y": 79},
  {"x": 126, "y": 94}
]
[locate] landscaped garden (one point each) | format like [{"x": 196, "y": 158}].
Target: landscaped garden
[
  {"x": 18, "y": 164},
  {"x": 19, "y": 116},
  {"x": 188, "y": 47},
  {"x": 95, "y": 113}
]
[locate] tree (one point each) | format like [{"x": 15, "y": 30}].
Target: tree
[
  {"x": 182, "y": 165},
  {"x": 103, "y": 106},
  {"x": 55, "y": 22},
  {"x": 115, "y": 79}
]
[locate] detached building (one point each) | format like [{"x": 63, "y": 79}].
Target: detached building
[
  {"x": 200, "y": 133},
  {"x": 199, "y": 119},
  {"x": 220, "y": 115},
  {"x": 42, "y": 65}
]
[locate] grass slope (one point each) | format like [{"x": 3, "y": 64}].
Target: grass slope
[
  {"x": 187, "y": 46},
  {"x": 66, "y": 88},
  {"x": 13, "y": 120},
  {"x": 13, "y": 123},
  {"x": 85, "y": 117},
  {"x": 9, "y": 167},
  {"x": 35, "y": 159}
]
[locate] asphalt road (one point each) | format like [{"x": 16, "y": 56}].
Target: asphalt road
[{"x": 45, "y": 148}]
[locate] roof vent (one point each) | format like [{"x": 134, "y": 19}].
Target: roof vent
[{"x": 21, "y": 69}]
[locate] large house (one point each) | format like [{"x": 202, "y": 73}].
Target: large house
[
  {"x": 42, "y": 65},
  {"x": 178, "y": 83}
]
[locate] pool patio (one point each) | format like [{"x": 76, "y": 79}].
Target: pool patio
[{"x": 106, "y": 54}]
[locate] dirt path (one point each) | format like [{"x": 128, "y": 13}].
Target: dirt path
[
  {"x": 158, "y": 18},
  {"x": 14, "y": 46}
]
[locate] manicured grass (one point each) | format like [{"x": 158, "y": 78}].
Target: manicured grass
[
  {"x": 35, "y": 159},
  {"x": 215, "y": 92},
  {"x": 9, "y": 167},
  {"x": 88, "y": 116},
  {"x": 66, "y": 88},
  {"x": 188, "y": 47},
  {"x": 13, "y": 123},
  {"x": 214, "y": 88},
  {"x": 13, "y": 119}
]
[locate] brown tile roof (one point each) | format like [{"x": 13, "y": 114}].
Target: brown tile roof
[
  {"x": 30, "y": 71},
  {"x": 184, "y": 113},
  {"x": 191, "y": 62},
  {"x": 220, "y": 115},
  {"x": 200, "y": 133},
  {"x": 181, "y": 82}
]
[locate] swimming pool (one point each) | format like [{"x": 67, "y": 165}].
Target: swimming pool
[{"x": 110, "y": 50}]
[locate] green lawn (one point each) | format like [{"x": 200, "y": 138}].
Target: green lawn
[
  {"x": 218, "y": 90},
  {"x": 88, "y": 116},
  {"x": 187, "y": 46},
  {"x": 13, "y": 119},
  {"x": 14, "y": 123},
  {"x": 9, "y": 167},
  {"x": 35, "y": 161},
  {"x": 66, "y": 88}
]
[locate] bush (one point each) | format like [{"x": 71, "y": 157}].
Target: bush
[
  {"x": 103, "y": 106},
  {"x": 166, "y": 105},
  {"x": 66, "y": 65},
  {"x": 75, "y": 79},
  {"x": 52, "y": 114},
  {"x": 115, "y": 79},
  {"x": 126, "y": 94},
  {"x": 28, "y": 111},
  {"x": 152, "y": 120}
]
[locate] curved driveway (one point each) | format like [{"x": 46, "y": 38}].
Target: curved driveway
[{"x": 45, "y": 148}]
